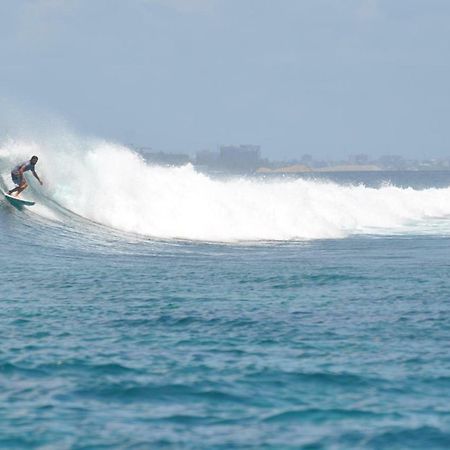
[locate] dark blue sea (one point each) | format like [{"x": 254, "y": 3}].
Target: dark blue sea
[{"x": 319, "y": 319}]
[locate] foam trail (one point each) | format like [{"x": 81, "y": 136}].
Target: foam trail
[{"x": 112, "y": 185}]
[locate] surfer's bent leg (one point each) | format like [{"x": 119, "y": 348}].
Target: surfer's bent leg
[
  {"x": 17, "y": 180},
  {"x": 20, "y": 182},
  {"x": 21, "y": 188}
]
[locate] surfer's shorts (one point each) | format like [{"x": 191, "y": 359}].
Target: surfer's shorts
[{"x": 17, "y": 178}]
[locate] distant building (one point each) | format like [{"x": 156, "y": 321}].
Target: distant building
[
  {"x": 207, "y": 158},
  {"x": 240, "y": 158},
  {"x": 393, "y": 162},
  {"x": 359, "y": 159},
  {"x": 166, "y": 159}
]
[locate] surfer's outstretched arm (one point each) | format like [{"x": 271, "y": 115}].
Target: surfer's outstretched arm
[{"x": 37, "y": 177}]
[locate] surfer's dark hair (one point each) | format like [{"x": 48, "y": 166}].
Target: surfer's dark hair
[{"x": 34, "y": 157}]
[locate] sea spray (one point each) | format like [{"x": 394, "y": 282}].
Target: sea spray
[{"x": 112, "y": 185}]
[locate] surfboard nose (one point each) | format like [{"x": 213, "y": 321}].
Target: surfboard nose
[{"x": 18, "y": 201}]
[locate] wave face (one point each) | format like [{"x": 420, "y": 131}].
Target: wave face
[{"x": 112, "y": 185}]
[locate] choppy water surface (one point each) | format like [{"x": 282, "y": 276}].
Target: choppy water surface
[
  {"x": 325, "y": 344},
  {"x": 271, "y": 337}
]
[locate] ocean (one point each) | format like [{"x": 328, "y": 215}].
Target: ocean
[{"x": 146, "y": 307}]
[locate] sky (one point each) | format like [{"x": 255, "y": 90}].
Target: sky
[{"x": 328, "y": 78}]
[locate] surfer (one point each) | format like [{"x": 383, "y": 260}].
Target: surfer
[{"x": 18, "y": 178}]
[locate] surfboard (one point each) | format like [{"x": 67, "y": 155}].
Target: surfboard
[{"x": 17, "y": 201}]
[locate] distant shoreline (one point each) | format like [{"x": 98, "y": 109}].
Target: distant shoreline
[{"x": 298, "y": 169}]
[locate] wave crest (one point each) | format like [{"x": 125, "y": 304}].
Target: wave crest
[{"x": 112, "y": 185}]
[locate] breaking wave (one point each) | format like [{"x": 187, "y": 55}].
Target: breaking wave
[{"x": 112, "y": 185}]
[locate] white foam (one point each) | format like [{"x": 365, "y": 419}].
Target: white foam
[{"x": 112, "y": 185}]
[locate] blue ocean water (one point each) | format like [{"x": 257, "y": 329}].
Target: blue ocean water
[{"x": 116, "y": 340}]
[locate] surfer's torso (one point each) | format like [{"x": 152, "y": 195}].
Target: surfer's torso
[{"x": 27, "y": 165}]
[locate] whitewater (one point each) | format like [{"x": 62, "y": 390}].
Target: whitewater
[{"x": 112, "y": 185}]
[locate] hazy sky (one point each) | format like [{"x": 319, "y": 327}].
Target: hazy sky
[{"x": 326, "y": 77}]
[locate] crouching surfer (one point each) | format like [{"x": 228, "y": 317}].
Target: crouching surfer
[{"x": 18, "y": 178}]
